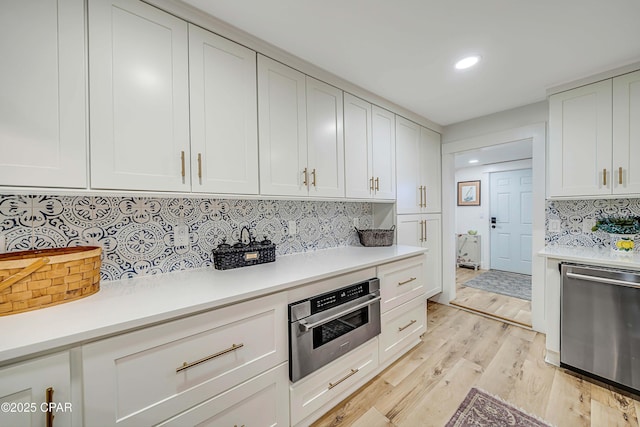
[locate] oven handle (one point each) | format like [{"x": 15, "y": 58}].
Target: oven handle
[{"x": 308, "y": 326}]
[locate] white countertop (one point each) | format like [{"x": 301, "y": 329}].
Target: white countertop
[
  {"x": 592, "y": 255},
  {"x": 132, "y": 303}
]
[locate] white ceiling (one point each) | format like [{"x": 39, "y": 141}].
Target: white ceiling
[
  {"x": 518, "y": 150},
  {"x": 404, "y": 50}
]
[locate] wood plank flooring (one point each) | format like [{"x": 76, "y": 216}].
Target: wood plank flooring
[
  {"x": 501, "y": 306},
  {"x": 462, "y": 350}
]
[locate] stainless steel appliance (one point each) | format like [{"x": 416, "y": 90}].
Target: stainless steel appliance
[
  {"x": 324, "y": 327},
  {"x": 600, "y": 323}
]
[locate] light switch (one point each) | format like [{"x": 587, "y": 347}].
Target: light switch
[
  {"x": 181, "y": 235},
  {"x": 293, "y": 229},
  {"x": 554, "y": 225}
]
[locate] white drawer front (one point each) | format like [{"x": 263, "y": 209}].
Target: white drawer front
[
  {"x": 333, "y": 382},
  {"x": 131, "y": 379},
  {"x": 401, "y": 281},
  {"x": 261, "y": 401},
  {"x": 402, "y": 326}
]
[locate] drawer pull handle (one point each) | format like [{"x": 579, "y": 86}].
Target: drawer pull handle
[
  {"x": 186, "y": 365},
  {"x": 353, "y": 372},
  {"x": 402, "y": 328},
  {"x": 49, "y": 416},
  {"x": 406, "y": 281}
]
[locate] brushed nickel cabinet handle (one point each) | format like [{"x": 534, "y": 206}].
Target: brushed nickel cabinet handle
[
  {"x": 406, "y": 281},
  {"x": 371, "y": 184},
  {"x": 313, "y": 173},
  {"x": 306, "y": 176},
  {"x": 199, "y": 165},
  {"x": 424, "y": 224},
  {"x": 186, "y": 365},
  {"x": 402, "y": 328},
  {"x": 620, "y": 175},
  {"x": 182, "y": 163},
  {"x": 420, "y": 190},
  {"x": 49, "y": 416},
  {"x": 425, "y": 196},
  {"x": 604, "y": 177},
  {"x": 377, "y": 183},
  {"x": 422, "y": 231},
  {"x": 353, "y": 372}
]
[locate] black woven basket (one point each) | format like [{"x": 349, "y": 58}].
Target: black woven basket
[
  {"x": 376, "y": 236},
  {"x": 224, "y": 259}
]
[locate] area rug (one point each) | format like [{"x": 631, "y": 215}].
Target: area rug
[
  {"x": 481, "y": 409},
  {"x": 504, "y": 283}
]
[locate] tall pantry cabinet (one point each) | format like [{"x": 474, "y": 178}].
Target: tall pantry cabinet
[
  {"x": 42, "y": 81},
  {"x": 419, "y": 195}
]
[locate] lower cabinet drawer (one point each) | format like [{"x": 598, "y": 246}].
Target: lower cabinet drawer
[
  {"x": 261, "y": 401},
  {"x": 332, "y": 382},
  {"x": 401, "y": 281},
  {"x": 148, "y": 376},
  {"x": 401, "y": 327}
]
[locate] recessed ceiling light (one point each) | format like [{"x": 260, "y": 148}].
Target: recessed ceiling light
[
  {"x": 473, "y": 161},
  {"x": 467, "y": 62}
]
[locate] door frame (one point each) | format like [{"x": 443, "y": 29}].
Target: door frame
[{"x": 537, "y": 134}]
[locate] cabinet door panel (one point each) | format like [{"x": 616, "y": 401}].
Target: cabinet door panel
[
  {"x": 282, "y": 129},
  {"x": 580, "y": 141},
  {"x": 410, "y": 230},
  {"x": 626, "y": 134},
  {"x": 430, "y": 160},
  {"x": 358, "y": 147},
  {"x": 408, "y": 174},
  {"x": 433, "y": 241},
  {"x": 384, "y": 153},
  {"x": 224, "y": 122},
  {"x": 139, "y": 97},
  {"x": 325, "y": 139},
  {"x": 42, "y": 80}
]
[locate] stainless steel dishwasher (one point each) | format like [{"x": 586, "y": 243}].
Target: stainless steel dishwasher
[{"x": 600, "y": 323}]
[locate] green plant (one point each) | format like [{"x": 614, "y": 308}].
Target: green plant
[{"x": 618, "y": 225}]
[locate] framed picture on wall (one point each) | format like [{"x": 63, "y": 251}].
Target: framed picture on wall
[{"x": 469, "y": 193}]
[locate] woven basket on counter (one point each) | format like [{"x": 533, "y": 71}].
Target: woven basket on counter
[
  {"x": 35, "y": 279},
  {"x": 376, "y": 236}
]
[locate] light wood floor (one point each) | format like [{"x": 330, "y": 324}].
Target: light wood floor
[
  {"x": 462, "y": 350},
  {"x": 501, "y": 306}
]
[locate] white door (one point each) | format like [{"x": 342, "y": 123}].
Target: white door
[
  {"x": 325, "y": 139},
  {"x": 408, "y": 171},
  {"x": 626, "y": 134},
  {"x": 224, "y": 118},
  {"x": 358, "y": 153},
  {"x": 282, "y": 129},
  {"x": 139, "y": 103},
  {"x": 42, "y": 81},
  {"x": 511, "y": 206},
  {"x": 384, "y": 153}
]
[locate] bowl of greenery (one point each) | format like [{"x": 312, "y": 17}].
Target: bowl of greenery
[{"x": 623, "y": 232}]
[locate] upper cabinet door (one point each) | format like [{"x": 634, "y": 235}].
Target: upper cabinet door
[
  {"x": 42, "y": 80},
  {"x": 325, "y": 139},
  {"x": 580, "y": 133},
  {"x": 139, "y": 104},
  {"x": 626, "y": 134},
  {"x": 224, "y": 122},
  {"x": 408, "y": 173},
  {"x": 431, "y": 161},
  {"x": 282, "y": 129},
  {"x": 384, "y": 153},
  {"x": 358, "y": 148}
]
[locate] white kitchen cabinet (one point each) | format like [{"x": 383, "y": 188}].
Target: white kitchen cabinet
[
  {"x": 401, "y": 329},
  {"x": 594, "y": 139},
  {"x": 419, "y": 168},
  {"x": 139, "y": 103},
  {"x": 402, "y": 281},
  {"x": 424, "y": 230},
  {"x": 224, "y": 121},
  {"x": 154, "y": 374},
  {"x": 369, "y": 133},
  {"x": 257, "y": 402},
  {"x": 26, "y": 387},
  {"x": 300, "y": 133},
  {"x": 42, "y": 80}
]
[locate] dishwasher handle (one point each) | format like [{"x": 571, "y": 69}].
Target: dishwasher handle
[{"x": 603, "y": 280}]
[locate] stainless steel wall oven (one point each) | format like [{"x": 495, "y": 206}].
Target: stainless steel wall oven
[{"x": 326, "y": 326}]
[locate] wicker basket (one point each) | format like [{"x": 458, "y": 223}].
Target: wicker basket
[
  {"x": 225, "y": 259},
  {"x": 35, "y": 279},
  {"x": 376, "y": 236}
]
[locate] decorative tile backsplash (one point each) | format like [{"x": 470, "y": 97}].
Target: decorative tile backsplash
[
  {"x": 576, "y": 216},
  {"x": 136, "y": 233}
]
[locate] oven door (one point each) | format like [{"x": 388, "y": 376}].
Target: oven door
[{"x": 323, "y": 337}]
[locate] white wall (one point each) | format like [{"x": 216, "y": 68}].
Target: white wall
[{"x": 477, "y": 217}]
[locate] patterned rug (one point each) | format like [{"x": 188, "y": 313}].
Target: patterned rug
[
  {"x": 481, "y": 409},
  {"x": 504, "y": 283}
]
